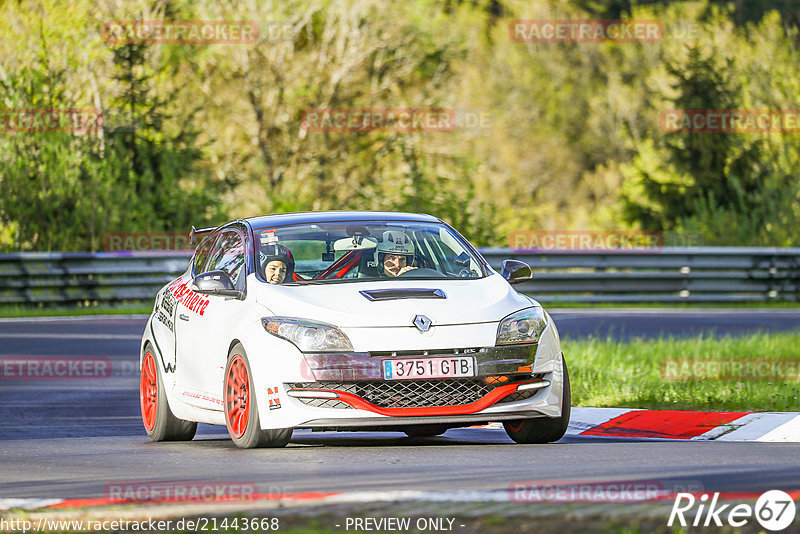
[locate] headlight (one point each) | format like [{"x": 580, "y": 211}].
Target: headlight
[
  {"x": 524, "y": 326},
  {"x": 308, "y": 336}
]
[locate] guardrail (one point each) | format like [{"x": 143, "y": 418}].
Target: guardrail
[
  {"x": 86, "y": 278},
  {"x": 707, "y": 274},
  {"x": 713, "y": 274}
]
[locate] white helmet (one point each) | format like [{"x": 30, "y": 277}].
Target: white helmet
[{"x": 394, "y": 242}]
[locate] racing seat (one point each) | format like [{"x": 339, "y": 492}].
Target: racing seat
[{"x": 364, "y": 269}]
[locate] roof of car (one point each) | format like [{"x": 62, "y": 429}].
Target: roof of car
[{"x": 308, "y": 217}]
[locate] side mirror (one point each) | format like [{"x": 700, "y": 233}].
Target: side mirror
[
  {"x": 215, "y": 283},
  {"x": 516, "y": 271}
]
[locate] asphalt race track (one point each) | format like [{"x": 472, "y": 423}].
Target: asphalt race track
[{"x": 70, "y": 438}]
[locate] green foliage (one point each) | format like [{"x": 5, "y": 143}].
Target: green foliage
[
  {"x": 44, "y": 174},
  {"x": 742, "y": 11},
  {"x": 568, "y": 137},
  {"x": 154, "y": 159},
  {"x": 65, "y": 189},
  {"x": 733, "y": 188}
]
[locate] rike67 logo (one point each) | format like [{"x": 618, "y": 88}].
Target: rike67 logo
[{"x": 774, "y": 510}]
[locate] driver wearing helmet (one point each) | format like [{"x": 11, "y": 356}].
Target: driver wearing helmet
[
  {"x": 278, "y": 263},
  {"x": 395, "y": 254}
]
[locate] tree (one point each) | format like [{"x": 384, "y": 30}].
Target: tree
[
  {"x": 156, "y": 158},
  {"x": 718, "y": 183},
  {"x": 65, "y": 189}
]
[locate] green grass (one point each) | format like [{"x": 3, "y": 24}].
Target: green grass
[
  {"x": 609, "y": 373},
  {"x": 44, "y": 311}
]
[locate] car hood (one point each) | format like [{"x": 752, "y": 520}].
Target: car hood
[{"x": 484, "y": 300}]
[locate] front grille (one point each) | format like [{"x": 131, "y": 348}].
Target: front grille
[
  {"x": 409, "y": 393},
  {"x": 519, "y": 395},
  {"x": 326, "y": 403}
]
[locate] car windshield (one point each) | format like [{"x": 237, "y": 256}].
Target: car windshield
[{"x": 363, "y": 251}]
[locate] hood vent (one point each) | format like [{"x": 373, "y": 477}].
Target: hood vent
[{"x": 396, "y": 294}]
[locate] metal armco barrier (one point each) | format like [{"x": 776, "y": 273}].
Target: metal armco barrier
[
  {"x": 680, "y": 274},
  {"x": 713, "y": 274},
  {"x": 86, "y": 278}
]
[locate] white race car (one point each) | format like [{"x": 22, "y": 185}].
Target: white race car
[{"x": 348, "y": 321}]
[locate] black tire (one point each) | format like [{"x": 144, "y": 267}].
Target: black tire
[
  {"x": 544, "y": 429},
  {"x": 165, "y": 426},
  {"x": 246, "y": 431},
  {"x": 425, "y": 431}
]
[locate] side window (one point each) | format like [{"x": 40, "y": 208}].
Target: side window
[
  {"x": 432, "y": 252},
  {"x": 202, "y": 253},
  {"x": 228, "y": 256},
  {"x": 456, "y": 257}
]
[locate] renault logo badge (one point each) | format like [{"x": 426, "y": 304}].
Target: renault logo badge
[{"x": 422, "y": 323}]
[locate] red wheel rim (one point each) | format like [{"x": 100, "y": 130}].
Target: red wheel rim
[
  {"x": 148, "y": 391},
  {"x": 237, "y": 396}
]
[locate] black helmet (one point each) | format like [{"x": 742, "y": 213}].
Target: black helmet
[{"x": 278, "y": 253}]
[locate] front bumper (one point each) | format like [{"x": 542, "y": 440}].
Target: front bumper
[
  {"x": 347, "y": 390},
  {"x": 404, "y": 398},
  {"x": 503, "y": 403}
]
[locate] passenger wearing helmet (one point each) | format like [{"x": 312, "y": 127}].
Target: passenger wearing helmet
[
  {"x": 278, "y": 263},
  {"x": 395, "y": 254}
]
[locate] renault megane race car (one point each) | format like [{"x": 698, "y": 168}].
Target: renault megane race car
[{"x": 348, "y": 321}]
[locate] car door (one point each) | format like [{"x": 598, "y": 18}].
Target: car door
[
  {"x": 204, "y": 325},
  {"x": 168, "y": 306}
]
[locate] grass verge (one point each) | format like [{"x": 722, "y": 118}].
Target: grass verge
[{"x": 700, "y": 373}]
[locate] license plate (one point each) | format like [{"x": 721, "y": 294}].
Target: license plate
[{"x": 429, "y": 368}]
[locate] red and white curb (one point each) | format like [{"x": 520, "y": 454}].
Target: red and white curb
[
  {"x": 686, "y": 425},
  {"x": 548, "y": 492}
]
